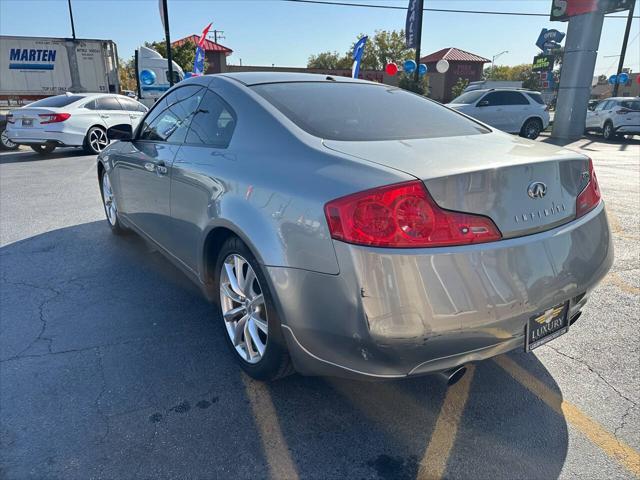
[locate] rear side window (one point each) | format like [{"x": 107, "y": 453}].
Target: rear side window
[
  {"x": 630, "y": 104},
  {"x": 131, "y": 105},
  {"x": 170, "y": 118},
  {"x": 57, "y": 101},
  {"x": 469, "y": 97},
  {"x": 505, "y": 98},
  {"x": 536, "y": 97},
  {"x": 364, "y": 112},
  {"x": 213, "y": 123},
  {"x": 108, "y": 103}
]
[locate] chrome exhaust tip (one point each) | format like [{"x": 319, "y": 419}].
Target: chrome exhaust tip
[{"x": 453, "y": 376}]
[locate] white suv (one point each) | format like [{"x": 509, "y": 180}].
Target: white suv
[
  {"x": 513, "y": 110},
  {"x": 615, "y": 116}
]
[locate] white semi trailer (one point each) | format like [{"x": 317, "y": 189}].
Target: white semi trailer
[{"x": 32, "y": 68}]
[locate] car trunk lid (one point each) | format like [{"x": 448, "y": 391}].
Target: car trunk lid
[
  {"x": 30, "y": 117},
  {"x": 524, "y": 187}
]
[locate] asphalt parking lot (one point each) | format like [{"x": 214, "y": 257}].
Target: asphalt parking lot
[{"x": 113, "y": 366}]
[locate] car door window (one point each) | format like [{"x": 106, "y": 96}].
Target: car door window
[
  {"x": 493, "y": 99},
  {"x": 514, "y": 98},
  {"x": 170, "y": 119},
  {"x": 108, "y": 103},
  {"x": 131, "y": 105},
  {"x": 213, "y": 123}
]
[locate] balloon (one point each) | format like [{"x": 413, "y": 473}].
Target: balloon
[
  {"x": 409, "y": 66},
  {"x": 442, "y": 66},
  {"x": 623, "y": 78},
  {"x": 422, "y": 69},
  {"x": 613, "y": 79},
  {"x": 147, "y": 77},
  {"x": 391, "y": 69}
]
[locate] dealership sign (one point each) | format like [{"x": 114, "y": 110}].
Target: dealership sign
[
  {"x": 543, "y": 63},
  {"x": 562, "y": 10}
]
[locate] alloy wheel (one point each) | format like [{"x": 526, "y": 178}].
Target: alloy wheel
[
  {"x": 243, "y": 308},
  {"x": 109, "y": 200},
  {"x": 532, "y": 130},
  {"x": 98, "y": 140},
  {"x": 6, "y": 143}
]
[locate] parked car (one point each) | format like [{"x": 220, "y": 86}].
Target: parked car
[
  {"x": 615, "y": 116},
  {"x": 343, "y": 227},
  {"x": 71, "y": 120},
  {"x": 512, "y": 110}
]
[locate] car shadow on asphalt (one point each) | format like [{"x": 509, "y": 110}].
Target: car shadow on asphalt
[
  {"x": 22, "y": 155},
  {"x": 113, "y": 366}
]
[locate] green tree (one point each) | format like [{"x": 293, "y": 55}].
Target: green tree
[
  {"x": 329, "y": 61},
  {"x": 183, "y": 54},
  {"x": 127, "y": 74},
  {"x": 459, "y": 86},
  {"x": 381, "y": 48}
]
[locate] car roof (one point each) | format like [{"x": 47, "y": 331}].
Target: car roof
[
  {"x": 256, "y": 78},
  {"x": 503, "y": 89}
]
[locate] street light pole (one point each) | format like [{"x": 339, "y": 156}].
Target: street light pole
[
  {"x": 419, "y": 12},
  {"x": 73, "y": 27},
  {"x": 623, "y": 52},
  {"x": 493, "y": 60},
  {"x": 168, "y": 41}
]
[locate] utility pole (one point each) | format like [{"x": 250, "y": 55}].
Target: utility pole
[
  {"x": 419, "y": 12},
  {"x": 493, "y": 60},
  {"x": 623, "y": 52},
  {"x": 218, "y": 34},
  {"x": 167, "y": 37},
  {"x": 73, "y": 27}
]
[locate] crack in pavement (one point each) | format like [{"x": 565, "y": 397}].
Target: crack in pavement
[
  {"x": 632, "y": 403},
  {"x": 41, "y": 314}
]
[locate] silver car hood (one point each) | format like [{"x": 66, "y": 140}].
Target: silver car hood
[{"x": 487, "y": 174}]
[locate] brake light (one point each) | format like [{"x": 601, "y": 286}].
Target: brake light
[
  {"x": 53, "y": 117},
  {"x": 10, "y": 118},
  {"x": 590, "y": 196},
  {"x": 403, "y": 216}
]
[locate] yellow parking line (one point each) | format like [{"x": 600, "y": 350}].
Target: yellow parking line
[
  {"x": 591, "y": 429},
  {"x": 275, "y": 448},
  {"x": 444, "y": 434}
]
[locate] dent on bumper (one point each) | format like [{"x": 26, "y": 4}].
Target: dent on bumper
[{"x": 392, "y": 313}]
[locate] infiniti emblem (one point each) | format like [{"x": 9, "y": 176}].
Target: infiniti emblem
[{"x": 537, "y": 190}]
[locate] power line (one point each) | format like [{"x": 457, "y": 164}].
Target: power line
[{"x": 442, "y": 10}]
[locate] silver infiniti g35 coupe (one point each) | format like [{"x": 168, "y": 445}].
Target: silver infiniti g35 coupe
[{"x": 349, "y": 228}]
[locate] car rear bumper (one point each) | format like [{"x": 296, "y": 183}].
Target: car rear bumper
[
  {"x": 394, "y": 313},
  {"x": 36, "y": 136},
  {"x": 628, "y": 129}
]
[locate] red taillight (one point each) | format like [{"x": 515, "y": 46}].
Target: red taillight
[
  {"x": 53, "y": 117},
  {"x": 590, "y": 196},
  {"x": 403, "y": 216}
]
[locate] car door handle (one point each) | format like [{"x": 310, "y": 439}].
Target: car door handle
[{"x": 102, "y": 115}]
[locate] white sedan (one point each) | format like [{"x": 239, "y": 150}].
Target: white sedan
[{"x": 72, "y": 120}]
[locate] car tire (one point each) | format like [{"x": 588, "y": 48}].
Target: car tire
[
  {"x": 5, "y": 143},
  {"x": 110, "y": 205},
  {"x": 43, "y": 148},
  {"x": 608, "y": 132},
  {"x": 249, "y": 322},
  {"x": 531, "y": 128},
  {"x": 95, "y": 140}
]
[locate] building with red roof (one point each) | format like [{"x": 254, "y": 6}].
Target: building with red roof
[
  {"x": 462, "y": 64},
  {"x": 214, "y": 53}
]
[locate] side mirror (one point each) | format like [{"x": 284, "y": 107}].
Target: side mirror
[
  {"x": 483, "y": 103},
  {"x": 122, "y": 132}
]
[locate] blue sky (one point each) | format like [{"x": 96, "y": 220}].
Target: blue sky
[{"x": 265, "y": 32}]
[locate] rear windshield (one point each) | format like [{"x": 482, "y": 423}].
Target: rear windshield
[
  {"x": 364, "y": 112},
  {"x": 469, "y": 97},
  {"x": 631, "y": 104},
  {"x": 57, "y": 101},
  {"x": 536, "y": 97}
]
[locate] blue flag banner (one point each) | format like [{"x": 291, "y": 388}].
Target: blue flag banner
[
  {"x": 358, "y": 49},
  {"x": 198, "y": 62},
  {"x": 412, "y": 23}
]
